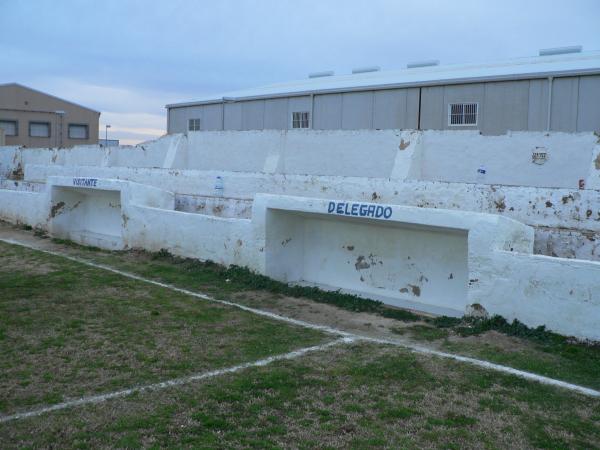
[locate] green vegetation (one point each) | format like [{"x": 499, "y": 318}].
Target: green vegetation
[
  {"x": 534, "y": 349},
  {"x": 220, "y": 280},
  {"x": 362, "y": 396},
  {"x": 67, "y": 330}
]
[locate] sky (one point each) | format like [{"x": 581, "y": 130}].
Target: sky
[{"x": 129, "y": 58}]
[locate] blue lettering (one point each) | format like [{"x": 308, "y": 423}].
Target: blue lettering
[
  {"x": 87, "y": 182},
  {"x": 341, "y": 208}
]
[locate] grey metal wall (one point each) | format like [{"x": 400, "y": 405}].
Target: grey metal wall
[{"x": 507, "y": 105}]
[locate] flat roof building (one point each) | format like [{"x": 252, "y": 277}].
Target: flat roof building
[
  {"x": 558, "y": 90},
  {"x": 35, "y": 119}
]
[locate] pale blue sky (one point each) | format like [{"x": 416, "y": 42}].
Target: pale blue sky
[{"x": 128, "y": 58}]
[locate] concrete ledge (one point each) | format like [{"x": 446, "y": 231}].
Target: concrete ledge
[
  {"x": 404, "y": 254},
  {"x": 95, "y": 211}
]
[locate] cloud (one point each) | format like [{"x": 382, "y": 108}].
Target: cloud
[{"x": 144, "y": 54}]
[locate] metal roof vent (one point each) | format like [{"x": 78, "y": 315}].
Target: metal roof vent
[
  {"x": 561, "y": 50},
  {"x": 366, "y": 69},
  {"x": 326, "y": 73},
  {"x": 427, "y": 63}
]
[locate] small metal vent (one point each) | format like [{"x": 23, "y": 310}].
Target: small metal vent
[
  {"x": 366, "y": 69},
  {"x": 326, "y": 73},
  {"x": 561, "y": 50},
  {"x": 428, "y": 63}
]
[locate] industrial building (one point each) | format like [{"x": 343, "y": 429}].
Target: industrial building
[
  {"x": 35, "y": 119},
  {"x": 558, "y": 90}
]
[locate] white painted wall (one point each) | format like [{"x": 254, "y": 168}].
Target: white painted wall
[
  {"x": 456, "y": 155},
  {"x": 562, "y": 294},
  {"x": 22, "y": 207},
  {"x": 539, "y": 207},
  {"x": 295, "y": 239},
  {"x": 416, "y": 257},
  {"x": 391, "y": 167},
  {"x": 96, "y": 211},
  {"x": 225, "y": 241},
  {"x": 452, "y": 156}
]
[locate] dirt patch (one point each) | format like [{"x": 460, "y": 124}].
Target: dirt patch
[
  {"x": 303, "y": 309},
  {"x": 494, "y": 339}
]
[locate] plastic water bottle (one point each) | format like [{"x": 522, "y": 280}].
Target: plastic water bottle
[
  {"x": 219, "y": 186},
  {"x": 481, "y": 174}
]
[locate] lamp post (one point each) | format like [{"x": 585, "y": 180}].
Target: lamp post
[
  {"x": 106, "y": 136},
  {"x": 60, "y": 114}
]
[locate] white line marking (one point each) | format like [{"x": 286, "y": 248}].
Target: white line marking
[
  {"x": 174, "y": 382},
  {"x": 408, "y": 345}
]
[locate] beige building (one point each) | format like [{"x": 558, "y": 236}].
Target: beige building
[{"x": 34, "y": 119}]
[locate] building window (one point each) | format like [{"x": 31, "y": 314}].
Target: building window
[
  {"x": 300, "y": 119},
  {"x": 78, "y": 131},
  {"x": 462, "y": 114},
  {"x": 10, "y": 127},
  {"x": 39, "y": 129},
  {"x": 194, "y": 125}
]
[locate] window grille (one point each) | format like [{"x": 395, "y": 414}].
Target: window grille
[
  {"x": 300, "y": 119},
  {"x": 194, "y": 125},
  {"x": 462, "y": 114}
]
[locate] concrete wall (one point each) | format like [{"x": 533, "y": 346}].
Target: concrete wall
[
  {"x": 507, "y": 159},
  {"x": 429, "y": 259},
  {"x": 430, "y": 155},
  {"x": 480, "y": 260},
  {"x": 96, "y": 211},
  {"x": 503, "y": 106}
]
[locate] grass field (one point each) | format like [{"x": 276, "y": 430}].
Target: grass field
[{"x": 68, "y": 330}]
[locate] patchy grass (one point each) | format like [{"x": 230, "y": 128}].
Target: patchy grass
[
  {"x": 68, "y": 330},
  {"x": 538, "y": 350},
  {"x": 515, "y": 345},
  {"x": 219, "y": 280},
  {"x": 363, "y": 396}
]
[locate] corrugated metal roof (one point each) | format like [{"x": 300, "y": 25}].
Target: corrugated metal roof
[{"x": 519, "y": 68}]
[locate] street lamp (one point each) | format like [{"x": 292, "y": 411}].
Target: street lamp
[
  {"x": 106, "y": 136},
  {"x": 60, "y": 114}
]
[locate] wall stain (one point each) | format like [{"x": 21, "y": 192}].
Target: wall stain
[
  {"x": 566, "y": 199},
  {"x": 416, "y": 290},
  {"x": 56, "y": 209},
  {"x": 500, "y": 205},
  {"x": 361, "y": 263}
]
